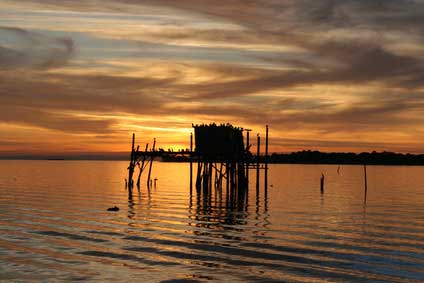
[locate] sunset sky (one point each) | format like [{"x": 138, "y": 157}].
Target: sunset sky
[{"x": 80, "y": 76}]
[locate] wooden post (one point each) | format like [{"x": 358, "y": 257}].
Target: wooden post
[
  {"x": 365, "y": 182},
  {"x": 131, "y": 167},
  {"x": 220, "y": 176},
  {"x": 258, "y": 162},
  {"x": 141, "y": 167},
  {"x": 210, "y": 177},
  {"x": 322, "y": 183},
  {"x": 266, "y": 146},
  {"x": 247, "y": 149},
  {"x": 215, "y": 166},
  {"x": 151, "y": 163},
  {"x": 199, "y": 176},
  {"x": 266, "y": 161},
  {"x": 191, "y": 162},
  {"x": 135, "y": 157},
  {"x": 227, "y": 184},
  {"x": 205, "y": 179}
]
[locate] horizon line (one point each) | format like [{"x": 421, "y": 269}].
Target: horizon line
[{"x": 125, "y": 155}]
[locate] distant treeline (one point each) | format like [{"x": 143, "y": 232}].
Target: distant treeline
[
  {"x": 372, "y": 158},
  {"x": 300, "y": 157},
  {"x": 317, "y": 157}
]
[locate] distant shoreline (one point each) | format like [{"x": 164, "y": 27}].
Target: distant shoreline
[{"x": 300, "y": 157}]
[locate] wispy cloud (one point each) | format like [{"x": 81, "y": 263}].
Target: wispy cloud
[
  {"x": 346, "y": 74},
  {"x": 22, "y": 48}
]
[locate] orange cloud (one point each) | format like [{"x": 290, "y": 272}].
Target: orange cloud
[{"x": 76, "y": 77}]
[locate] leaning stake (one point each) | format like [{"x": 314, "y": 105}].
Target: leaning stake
[{"x": 151, "y": 163}]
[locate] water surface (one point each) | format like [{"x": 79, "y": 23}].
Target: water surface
[{"x": 54, "y": 225}]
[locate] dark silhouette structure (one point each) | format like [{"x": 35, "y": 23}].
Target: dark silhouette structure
[
  {"x": 219, "y": 142},
  {"x": 222, "y": 154}
]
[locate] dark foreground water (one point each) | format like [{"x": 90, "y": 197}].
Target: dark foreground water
[{"x": 54, "y": 226}]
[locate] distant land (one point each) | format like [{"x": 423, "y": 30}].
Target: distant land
[
  {"x": 317, "y": 157},
  {"x": 371, "y": 158},
  {"x": 299, "y": 157}
]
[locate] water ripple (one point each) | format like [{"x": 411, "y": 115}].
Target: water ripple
[{"x": 55, "y": 227}]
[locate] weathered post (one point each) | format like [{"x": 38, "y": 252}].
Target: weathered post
[
  {"x": 227, "y": 184},
  {"x": 205, "y": 179},
  {"x": 266, "y": 146},
  {"x": 210, "y": 176},
  {"x": 220, "y": 176},
  {"x": 132, "y": 163},
  {"x": 191, "y": 162},
  {"x": 135, "y": 157},
  {"x": 248, "y": 156},
  {"x": 365, "y": 183},
  {"x": 266, "y": 161},
  {"x": 199, "y": 175},
  {"x": 141, "y": 167},
  {"x": 258, "y": 164},
  {"x": 151, "y": 163},
  {"x": 322, "y": 183}
]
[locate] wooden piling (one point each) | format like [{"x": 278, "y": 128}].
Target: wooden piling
[
  {"x": 365, "y": 183},
  {"x": 258, "y": 164},
  {"x": 191, "y": 162},
  {"x": 205, "y": 179},
  {"x": 220, "y": 176},
  {"x": 227, "y": 172},
  {"x": 199, "y": 175},
  {"x": 210, "y": 176},
  {"x": 132, "y": 163},
  {"x": 151, "y": 163},
  {"x": 266, "y": 161},
  {"x": 266, "y": 146},
  {"x": 216, "y": 175},
  {"x": 141, "y": 167},
  {"x": 322, "y": 183},
  {"x": 135, "y": 158},
  {"x": 247, "y": 150}
]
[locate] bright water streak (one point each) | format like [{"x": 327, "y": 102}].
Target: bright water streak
[{"x": 54, "y": 226}]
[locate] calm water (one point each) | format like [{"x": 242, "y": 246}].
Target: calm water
[{"x": 54, "y": 226}]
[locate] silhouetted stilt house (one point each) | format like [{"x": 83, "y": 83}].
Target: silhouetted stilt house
[{"x": 221, "y": 154}]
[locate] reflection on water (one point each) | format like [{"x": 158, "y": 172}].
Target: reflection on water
[
  {"x": 219, "y": 208},
  {"x": 55, "y": 227}
]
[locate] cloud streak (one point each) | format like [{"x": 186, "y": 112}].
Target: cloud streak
[
  {"x": 337, "y": 72},
  {"x": 20, "y": 48}
]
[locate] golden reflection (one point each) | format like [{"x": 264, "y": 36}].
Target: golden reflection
[{"x": 219, "y": 211}]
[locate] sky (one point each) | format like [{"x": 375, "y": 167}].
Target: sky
[{"x": 332, "y": 75}]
